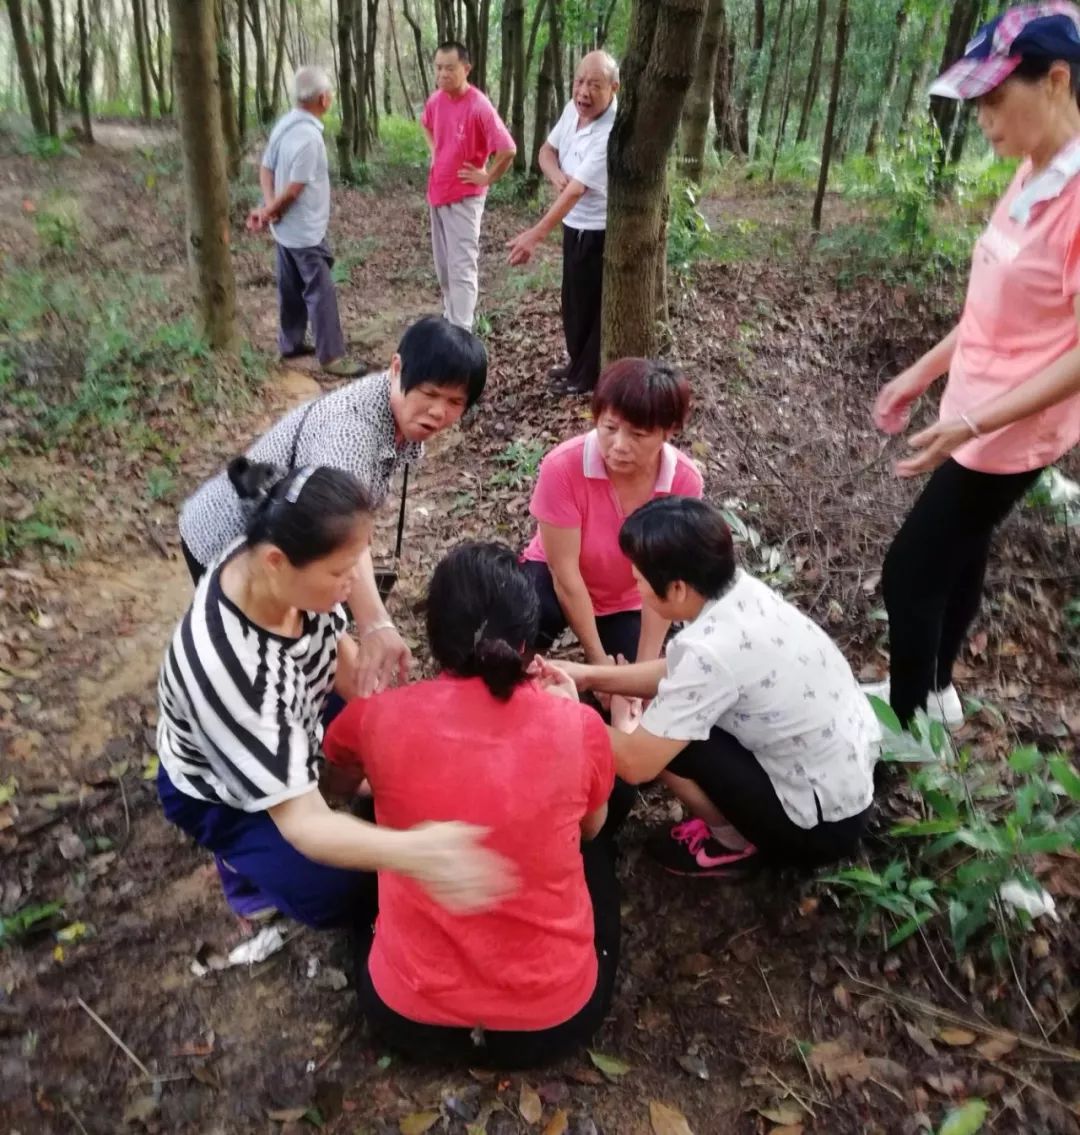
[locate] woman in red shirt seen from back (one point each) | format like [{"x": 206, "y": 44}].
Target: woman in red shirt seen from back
[{"x": 530, "y": 980}]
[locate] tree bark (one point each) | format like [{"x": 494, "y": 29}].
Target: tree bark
[
  {"x": 695, "y": 118},
  {"x": 241, "y": 72},
  {"x": 346, "y": 12},
  {"x": 372, "y": 119},
  {"x": 555, "y": 30},
  {"x": 277, "y": 87},
  {"x": 52, "y": 76},
  {"x": 892, "y": 72},
  {"x": 163, "y": 66},
  {"x": 962, "y": 20},
  {"x": 920, "y": 74},
  {"x": 757, "y": 43},
  {"x": 229, "y": 125},
  {"x": 262, "y": 96},
  {"x": 830, "y": 118},
  {"x": 421, "y": 58},
  {"x": 725, "y": 117},
  {"x": 658, "y": 68},
  {"x": 770, "y": 72},
  {"x": 514, "y": 14},
  {"x": 409, "y": 110},
  {"x": 530, "y": 51},
  {"x": 142, "y": 49},
  {"x": 199, "y": 104},
  {"x": 153, "y": 48},
  {"x": 545, "y": 90},
  {"x": 85, "y": 73},
  {"x": 813, "y": 76}
]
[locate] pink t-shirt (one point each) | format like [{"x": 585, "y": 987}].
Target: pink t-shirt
[
  {"x": 573, "y": 491},
  {"x": 466, "y": 129},
  {"x": 1018, "y": 319},
  {"x": 449, "y": 750}
]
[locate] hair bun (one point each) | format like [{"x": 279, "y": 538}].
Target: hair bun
[
  {"x": 500, "y": 665},
  {"x": 253, "y": 480}
]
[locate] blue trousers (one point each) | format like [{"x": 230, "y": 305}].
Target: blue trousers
[
  {"x": 267, "y": 867},
  {"x": 306, "y": 295}
]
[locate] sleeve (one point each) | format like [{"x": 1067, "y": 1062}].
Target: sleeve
[
  {"x": 599, "y": 759},
  {"x": 342, "y": 744},
  {"x": 305, "y": 163},
  {"x": 427, "y": 118},
  {"x": 269, "y": 156},
  {"x": 496, "y": 136},
  {"x": 688, "y": 480},
  {"x": 344, "y": 443},
  {"x": 592, "y": 173},
  {"x": 1070, "y": 277},
  {"x": 555, "y": 137},
  {"x": 554, "y": 500},
  {"x": 696, "y": 693}
]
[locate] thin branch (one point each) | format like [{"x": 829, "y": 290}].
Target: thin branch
[{"x": 115, "y": 1039}]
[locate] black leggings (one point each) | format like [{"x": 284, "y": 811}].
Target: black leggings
[
  {"x": 443, "y": 1044},
  {"x": 933, "y": 575},
  {"x": 730, "y": 775},
  {"x": 618, "y": 632}
]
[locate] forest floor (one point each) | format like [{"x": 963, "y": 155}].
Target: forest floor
[{"x": 744, "y": 1009}]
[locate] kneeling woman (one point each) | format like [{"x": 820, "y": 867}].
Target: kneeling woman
[
  {"x": 757, "y": 723},
  {"x": 586, "y": 488},
  {"x": 529, "y": 981},
  {"x": 241, "y": 695}
]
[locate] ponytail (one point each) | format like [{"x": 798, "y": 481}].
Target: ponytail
[
  {"x": 308, "y": 512},
  {"x": 482, "y": 616}
]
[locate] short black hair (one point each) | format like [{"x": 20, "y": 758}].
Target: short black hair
[
  {"x": 647, "y": 393},
  {"x": 1034, "y": 67},
  {"x": 455, "y": 45},
  {"x": 308, "y": 512},
  {"x": 482, "y": 615},
  {"x": 435, "y": 350},
  {"x": 674, "y": 538}
]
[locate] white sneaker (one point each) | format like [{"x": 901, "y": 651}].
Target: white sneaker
[{"x": 942, "y": 705}]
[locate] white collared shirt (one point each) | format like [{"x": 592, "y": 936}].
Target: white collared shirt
[
  {"x": 583, "y": 157},
  {"x": 1047, "y": 183}
]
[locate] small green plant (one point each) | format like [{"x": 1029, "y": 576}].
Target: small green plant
[
  {"x": 57, "y": 226},
  {"x": 402, "y": 143},
  {"x": 27, "y": 920},
  {"x": 159, "y": 483},
  {"x": 519, "y": 463},
  {"x": 46, "y": 146},
  {"x": 769, "y": 562},
  {"x": 688, "y": 235}
]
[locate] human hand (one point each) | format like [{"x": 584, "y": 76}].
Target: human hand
[
  {"x": 474, "y": 175},
  {"x": 383, "y": 658},
  {"x": 257, "y": 221},
  {"x": 625, "y": 713},
  {"x": 892, "y": 407},
  {"x": 553, "y": 678},
  {"x": 935, "y": 444},
  {"x": 559, "y": 181},
  {"x": 522, "y": 247},
  {"x": 450, "y": 863}
]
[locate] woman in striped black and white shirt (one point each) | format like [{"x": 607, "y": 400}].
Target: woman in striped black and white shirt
[{"x": 241, "y": 695}]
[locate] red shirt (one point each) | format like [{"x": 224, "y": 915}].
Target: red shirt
[
  {"x": 466, "y": 129},
  {"x": 529, "y": 769}
]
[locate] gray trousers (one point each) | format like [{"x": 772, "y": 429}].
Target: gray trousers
[
  {"x": 306, "y": 294},
  {"x": 455, "y": 241}
]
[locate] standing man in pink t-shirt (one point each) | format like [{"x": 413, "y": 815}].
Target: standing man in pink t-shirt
[{"x": 463, "y": 132}]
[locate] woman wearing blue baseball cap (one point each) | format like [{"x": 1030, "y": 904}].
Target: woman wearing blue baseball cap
[{"x": 1011, "y": 405}]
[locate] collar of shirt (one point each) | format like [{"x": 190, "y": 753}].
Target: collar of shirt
[
  {"x": 376, "y": 403},
  {"x": 594, "y": 467},
  {"x": 306, "y": 114},
  {"x": 712, "y": 604},
  {"x": 1048, "y": 183},
  {"x": 595, "y": 123}
]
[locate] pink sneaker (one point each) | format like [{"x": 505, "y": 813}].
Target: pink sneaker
[{"x": 690, "y": 849}]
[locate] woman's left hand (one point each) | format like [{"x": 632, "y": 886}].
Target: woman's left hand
[
  {"x": 384, "y": 658},
  {"x": 935, "y": 444},
  {"x": 552, "y": 680}
]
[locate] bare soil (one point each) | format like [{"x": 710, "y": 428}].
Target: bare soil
[{"x": 747, "y": 1009}]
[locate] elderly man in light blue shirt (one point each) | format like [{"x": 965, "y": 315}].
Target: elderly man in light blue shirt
[{"x": 295, "y": 181}]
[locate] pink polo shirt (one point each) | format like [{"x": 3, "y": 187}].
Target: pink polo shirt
[
  {"x": 573, "y": 491},
  {"x": 1018, "y": 319},
  {"x": 466, "y": 129}
]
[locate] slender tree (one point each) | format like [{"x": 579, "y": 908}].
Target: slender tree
[
  {"x": 695, "y": 117},
  {"x": 892, "y": 73},
  {"x": 555, "y": 37},
  {"x": 920, "y": 73},
  {"x": 163, "y": 70},
  {"x": 830, "y": 118},
  {"x": 241, "y": 72},
  {"x": 346, "y": 17},
  {"x": 199, "y": 102},
  {"x": 785, "y": 97},
  {"x": 514, "y": 15},
  {"x": 657, "y": 70},
  {"x": 409, "y": 109},
  {"x": 142, "y": 49},
  {"x": 724, "y": 111},
  {"x": 962, "y": 21},
  {"x": 813, "y": 75},
  {"x": 770, "y": 72},
  {"x": 230, "y": 126},
  {"x": 277, "y": 85},
  {"x": 86, "y": 76},
  {"x": 545, "y": 90},
  {"x": 52, "y": 75},
  {"x": 263, "y": 106},
  {"x": 418, "y": 39},
  {"x": 757, "y": 44}
]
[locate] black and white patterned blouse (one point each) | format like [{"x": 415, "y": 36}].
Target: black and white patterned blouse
[
  {"x": 351, "y": 429},
  {"x": 240, "y": 707}
]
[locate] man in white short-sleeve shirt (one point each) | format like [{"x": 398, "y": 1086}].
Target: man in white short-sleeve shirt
[
  {"x": 574, "y": 160},
  {"x": 757, "y": 723},
  {"x": 295, "y": 181}
]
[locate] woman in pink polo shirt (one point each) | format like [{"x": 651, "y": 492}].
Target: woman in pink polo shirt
[
  {"x": 1011, "y": 405},
  {"x": 531, "y": 979},
  {"x": 586, "y": 488}
]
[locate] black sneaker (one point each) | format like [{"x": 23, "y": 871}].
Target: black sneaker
[{"x": 690, "y": 849}]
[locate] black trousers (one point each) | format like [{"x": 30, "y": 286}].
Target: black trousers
[
  {"x": 618, "y": 632},
  {"x": 933, "y": 575},
  {"x": 442, "y": 1044},
  {"x": 582, "y": 278},
  {"x": 730, "y": 775}
]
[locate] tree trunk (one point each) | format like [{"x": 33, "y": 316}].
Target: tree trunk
[
  {"x": 484, "y": 39},
  {"x": 766, "y": 94},
  {"x": 372, "y": 120},
  {"x": 944, "y": 112},
  {"x": 512, "y": 11},
  {"x": 142, "y": 49},
  {"x": 785, "y": 99},
  {"x": 603, "y": 23},
  {"x": 387, "y": 72},
  {"x": 514, "y": 15},
  {"x": 421, "y": 58},
  {"x": 830, "y": 118},
  {"x": 757, "y": 43},
  {"x": 397, "y": 61},
  {"x": 538, "y": 16},
  {"x": 153, "y": 46},
  {"x": 658, "y": 68},
  {"x": 52, "y": 76},
  {"x": 346, "y": 11},
  {"x": 262, "y": 96},
  {"x": 545, "y": 90},
  {"x": 724, "y": 113},
  {"x": 892, "y": 72},
  {"x": 279, "y": 59},
  {"x": 85, "y": 74},
  {"x": 555, "y": 29},
  {"x": 695, "y": 117},
  {"x": 229, "y": 126},
  {"x": 920, "y": 75},
  {"x": 813, "y": 76},
  {"x": 193, "y": 27},
  {"x": 241, "y": 72},
  {"x": 163, "y": 65},
  {"x": 472, "y": 44}
]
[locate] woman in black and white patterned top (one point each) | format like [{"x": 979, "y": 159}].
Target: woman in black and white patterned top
[
  {"x": 367, "y": 428},
  {"x": 241, "y": 695}
]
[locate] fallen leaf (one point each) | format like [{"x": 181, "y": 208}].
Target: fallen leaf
[
  {"x": 809, "y": 905},
  {"x": 956, "y": 1038},
  {"x": 667, "y": 1120},
  {"x": 418, "y": 1122},
  {"x": 140, "y": 1110},
  {"x": 945, "y": 1083},
  {"x": 587, "y": 1076},
  {"x": 841, "y": 996},
  {"x": 920, "y": 1039},
  {"x": 965, "y": 1120},
  {"x": 553, "y": 1092},
  {"x": 995, "y": 1047},
  {"x": 557, "y": 1124},
  {"x": 786, "y": 1114},
  {"x": 694, "y": 1065},
  {"x": 529, "y": 1105},
  {"x": 609, "y": 1065},
  {"x": 788, "y": 1129},
  {"x": 694, "y": 965},
  {"x": 837, "y": 1063},
  {"x": 287, "y": 1114}
]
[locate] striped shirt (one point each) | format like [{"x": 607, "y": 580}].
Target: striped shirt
[{"x": 240, "y": 707}]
